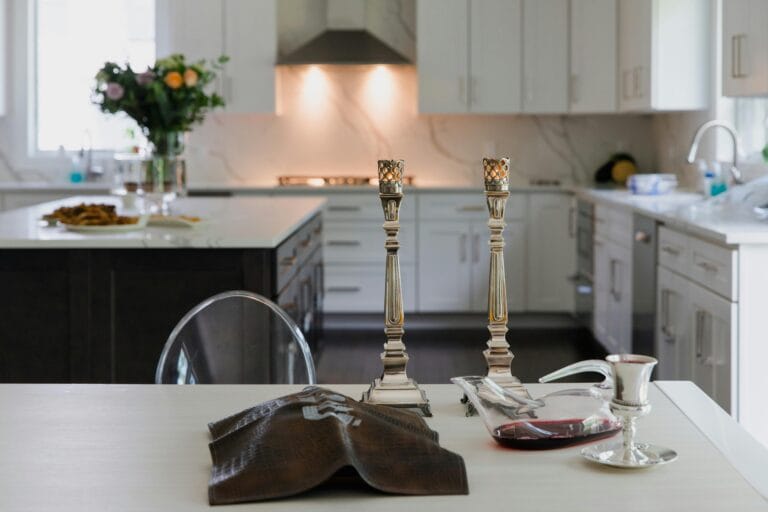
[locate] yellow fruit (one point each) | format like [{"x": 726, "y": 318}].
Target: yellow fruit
[
  {"x": 622, "y": 170},
  {"x": 173, "y": 80}
]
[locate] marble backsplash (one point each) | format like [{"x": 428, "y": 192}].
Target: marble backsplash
[
  {"x": 340, "y": 120},
  {"x": 337, "y": 120}
]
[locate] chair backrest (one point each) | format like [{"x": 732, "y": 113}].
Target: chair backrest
[{"x": 236, "y": 337}]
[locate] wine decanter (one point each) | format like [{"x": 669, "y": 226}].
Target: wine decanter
[
  {"x": 629, "y": 375},
  {"x": 552, "y": 421}
]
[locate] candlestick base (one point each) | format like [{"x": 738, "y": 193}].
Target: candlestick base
[{"x": 404, "y": 394}]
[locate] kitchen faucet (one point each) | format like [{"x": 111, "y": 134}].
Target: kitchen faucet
[{"x": 735, "y": 173}]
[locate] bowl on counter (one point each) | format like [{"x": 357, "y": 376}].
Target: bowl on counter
[{"x": 652, "y": 184}]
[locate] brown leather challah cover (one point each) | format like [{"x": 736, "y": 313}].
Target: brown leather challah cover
[{"x": 291, "y": 444}]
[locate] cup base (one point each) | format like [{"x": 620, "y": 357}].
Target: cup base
[{"x": 642, "y": 455}]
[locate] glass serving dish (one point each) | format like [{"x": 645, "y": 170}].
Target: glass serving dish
[{"x": 556, "y": 420}]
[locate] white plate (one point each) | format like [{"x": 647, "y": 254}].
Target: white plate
[{"x": 111, "y": 228}]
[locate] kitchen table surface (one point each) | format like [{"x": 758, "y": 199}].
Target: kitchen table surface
[
  {"x": 145, "y": 447},
  {"x": 226, "y": 222}
]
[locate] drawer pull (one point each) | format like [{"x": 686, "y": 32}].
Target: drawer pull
[
  {"x": 472, "y": 209},
  {"x": 343, "y": 243},
  {"x": 288, "y": 261},
  {"x": 344, "y": 289},
  {"x": 670, "y": 250},
  {"x": 707, "y": 267},
  {"x": 306, "y": 241},
  {"x": 343, "y": 208}
]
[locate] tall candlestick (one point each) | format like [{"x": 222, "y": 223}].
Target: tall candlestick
[
  {"x": 394, "y": 388},
  {"x": 497, "y": 355}
]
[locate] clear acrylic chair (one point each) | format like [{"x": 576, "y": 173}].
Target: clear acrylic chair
[{"x": 236, "y": 337}]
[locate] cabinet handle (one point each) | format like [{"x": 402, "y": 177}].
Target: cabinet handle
[
  {"x": 463, "y": 248},
  {"x": 613, "y": 278},
  {"x": 625, "y": 84},
  {"x": 636, "y": 88},
  {"x": 227, "y": 92},
  {"x": 670, "y": 250},
  {"x": 699, "y": 333},
  {"x": 572, "y": 221},
  {"x": 306, "y": 241},
  {"x": 476, "y": 249},
  {"x": 471, "y": 209},
  {"x": 739, "y": 70},
  {"x": 707, "y": 267},
  {"x": 343, "y": 208},
  {"x": 734, "y": 57},
  {"x": 666, "y": 330},
  {"x": 343, "y": 243},
  {"x": 343, "y": 289},
  {"x": 575, "y": 89},
  {"x": 473, "y": 90},
  {"x": 288, "y": 261}
]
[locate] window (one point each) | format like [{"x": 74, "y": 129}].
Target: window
[
  {"x": 749, "y": 117},
  {"x": 73, "y": 40}
]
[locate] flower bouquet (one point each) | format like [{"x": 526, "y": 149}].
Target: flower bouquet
[{"x": 166, "y": 101}]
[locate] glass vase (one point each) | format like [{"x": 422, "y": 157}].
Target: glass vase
[{"x": 165, "y": 171}]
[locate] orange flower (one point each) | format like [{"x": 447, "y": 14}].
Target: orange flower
[
  {"x": 190, "y": 77},
  {"x": 173, "y": 80}
]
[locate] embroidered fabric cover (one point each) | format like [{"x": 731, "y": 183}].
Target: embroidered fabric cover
[{"x": 294, "y": 443}]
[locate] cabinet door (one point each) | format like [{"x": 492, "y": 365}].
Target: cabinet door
[
  {"x": 673, "y": 338},
  {"x": 442, "y": 55},
  {"x": 713, "y": 329},
  {"x": 495, "y": 56},
  {"x": 551, "y": 252},
  {"x": 745, "y": 48},
  {"x": 593, "y": 56},
  {"x": 635, "y": 43},
  {"x": 444, "y": 266},
  {"x": 620, "y": 299},
  {"x": 250, "y": 41},
  {"x": 601, "y": 287},
  {"x": 514, "y": 265},
  {"x": 545, "y": 56}
]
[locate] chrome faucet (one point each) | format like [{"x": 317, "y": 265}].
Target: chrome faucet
[{"x": 735, "y": 172}]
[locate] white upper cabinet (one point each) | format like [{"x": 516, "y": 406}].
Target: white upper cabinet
[
  {"x": 745, "y": 48},
  {"x": 495, "y": 56},
  {"x": 594, "y": 50},
  {"x": 665, "y": 47},
  {"x": 545, "y": 56},
  {"x": 469, "y": 56},
  {"x": 244, "y": 30},
  {"x": 442, "y": 57}
]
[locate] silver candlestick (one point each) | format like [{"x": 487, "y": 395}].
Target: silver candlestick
[
  {"x": 394, "y": 388},
  {"x": 497, "y": 355}
]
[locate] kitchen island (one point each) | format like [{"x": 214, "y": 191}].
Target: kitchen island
[{"x": 99, "y": 307}]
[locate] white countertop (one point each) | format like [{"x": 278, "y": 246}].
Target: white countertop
[
  {"x": 232, "y": 222},
  {"x": 145, "y": 448},
  {"x": 688, "y": 212}
]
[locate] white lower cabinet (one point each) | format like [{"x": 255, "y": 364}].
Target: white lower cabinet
[
  {"x": 551, "y": 252},
  {"x": 359, "y": 288},
  {"x": 697, "y": 327},
  {"x": 613, "y": 296},
  {"x": 445, "y": 266}
]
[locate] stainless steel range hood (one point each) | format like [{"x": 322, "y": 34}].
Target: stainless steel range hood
[{"x": 352, "y": 35}]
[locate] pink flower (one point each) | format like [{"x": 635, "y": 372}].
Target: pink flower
[
  {"x": 114, "y": 91},
  {"x": 146, "y": 77}
]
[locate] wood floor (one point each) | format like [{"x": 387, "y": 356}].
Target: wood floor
[{"x": 351, "y": 355}]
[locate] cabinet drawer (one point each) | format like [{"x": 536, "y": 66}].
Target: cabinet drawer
[
  {"x": 360, "y": 288},
  {"x": 467, "y": 206},
  {"x": 363, "y": 242},
  {"x": 613, "y": 224},
  {"x": 674, "y": 250},
  {"x": 713, "y": 267},
  {"x": 353, "y": 206}
]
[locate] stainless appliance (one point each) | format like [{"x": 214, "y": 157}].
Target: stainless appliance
[
  {"x": 643, "y": 285},
  {"x": 583, "y": 217}
]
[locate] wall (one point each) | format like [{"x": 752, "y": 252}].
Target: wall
[{"x": 340, "y": 120}]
